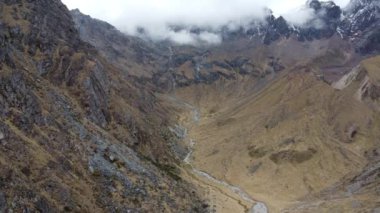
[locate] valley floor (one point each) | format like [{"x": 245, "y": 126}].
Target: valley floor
[
  {"x": 221, "y": 196},
  {"x": 280, "y": 145}
]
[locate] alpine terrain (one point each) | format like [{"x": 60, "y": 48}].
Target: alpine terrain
[{"x": 276, "y": 117}]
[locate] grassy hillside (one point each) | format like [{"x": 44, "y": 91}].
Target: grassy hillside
[{"x": 288, "y": 140}]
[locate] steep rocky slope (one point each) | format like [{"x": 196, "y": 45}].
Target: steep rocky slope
[
  {"x": 131, "y": 54},
  {"x": 75, "y": 133},
  {"x": 361, "y": 22}
]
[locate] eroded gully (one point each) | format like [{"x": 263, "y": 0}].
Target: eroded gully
[{"x": 233, "y": 192}]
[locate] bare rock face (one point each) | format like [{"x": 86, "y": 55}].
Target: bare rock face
[
  {"x": 3, "y": 202},
  {"x": 80, "y": 135},
  {"x": 17, "y": 93},
  {"x": 351, "y": 132},
  {"x": 97, "y": 88},
  {"x": 361, "y": 23}
]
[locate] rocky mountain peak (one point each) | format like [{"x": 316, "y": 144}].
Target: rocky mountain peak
[
  {"x": 361, "y": 23},
  {"x": 329, "y": 7},
  {"x": 361, "y": 14},
  {"x": 325, "y": 19}
]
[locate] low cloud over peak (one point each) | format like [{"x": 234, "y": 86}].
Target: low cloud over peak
[{"x": 157, "y": 17}]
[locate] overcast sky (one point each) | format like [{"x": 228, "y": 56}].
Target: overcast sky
[{"x": 155, "y": 15}]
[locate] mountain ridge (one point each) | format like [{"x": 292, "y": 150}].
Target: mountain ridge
[
  {"x": 326, "y": 19},
  {"x": 77, "y": 135},
  {"x": 166, "y": 56}
]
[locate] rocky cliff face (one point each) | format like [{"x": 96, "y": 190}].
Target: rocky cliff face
[
  {"x": 357, "y": 20},
  {"x": 76, "y": 133},
  {"x": 361, "y": 23},
  {"x": 127, "y": 53}
]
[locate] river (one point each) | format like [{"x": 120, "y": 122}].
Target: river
[{"x": 257, "y": 207}]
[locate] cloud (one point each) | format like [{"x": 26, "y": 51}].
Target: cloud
[
  {"x": 157, "y": 16},
  {"x": 299, "y": 16},
  {"x": 210, "y": 38}
]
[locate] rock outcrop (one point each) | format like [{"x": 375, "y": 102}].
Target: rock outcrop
[{"x": 76, "y": 133}]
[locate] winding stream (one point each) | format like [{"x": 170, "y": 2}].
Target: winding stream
[{"x": 257, "y": 207}]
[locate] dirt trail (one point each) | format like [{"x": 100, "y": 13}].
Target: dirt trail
[{"x": 222, "y": 196}]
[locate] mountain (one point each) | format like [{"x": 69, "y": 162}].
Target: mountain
[
  {"x": 362, "y": 23},
  {"x": 178, "y": 65},
  {"x": 76, "y": 133},
  {"x": 276, "y": 117}
]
